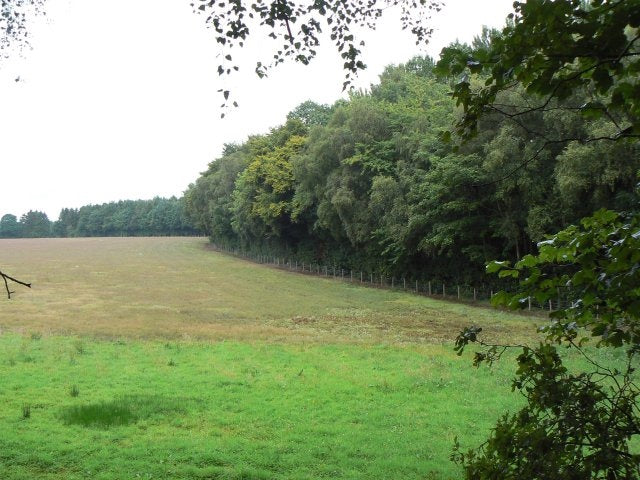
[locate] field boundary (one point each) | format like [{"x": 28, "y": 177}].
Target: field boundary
[{"x": 467, "y": 294}]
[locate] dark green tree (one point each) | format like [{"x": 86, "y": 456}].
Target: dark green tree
[
  {"x": 208, "y": 201},
  {"x": 35, "y": 224},
  {"x": 9, "y": 226},
  {"x": 311, "y": 113},
  {"x": 160, "y": 216},
  {"x": 68, "y": 218}
]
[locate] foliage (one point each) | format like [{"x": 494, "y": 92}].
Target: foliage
[
  {"x": 14, "y": 20},
  {"x": 208, "y": 202},
  {"x": 596, "y": 266},
  {"x": 34, "y": 224},
  {"x": 576, "y": 424},
  {"x": 374, "y": 186},
  {"x": 296, "y": 28},
  {"x": 553, "y": 50},
  {"x": 311, "y": 113},
  {"x": 160, "y": 216},
  {"x": 263, "y": 191},
  {"x": 9, "y": 226}
]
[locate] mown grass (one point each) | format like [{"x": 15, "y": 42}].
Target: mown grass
[
  {"x": 156, "y": 358},
  {"x": 238, "y": 410},
  {"x": 178, "y": 288}
]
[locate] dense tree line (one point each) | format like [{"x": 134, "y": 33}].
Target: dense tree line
[
  {"x": 372, "y": 182},
  {"x": 160, "y": 216}
]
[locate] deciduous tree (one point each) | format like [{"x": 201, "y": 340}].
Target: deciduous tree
[{"x": 575, "y": 425}]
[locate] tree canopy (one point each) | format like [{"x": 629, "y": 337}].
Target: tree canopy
[
  {"x": 375, "y": 186},
  {"x": 159, "y": 216}
]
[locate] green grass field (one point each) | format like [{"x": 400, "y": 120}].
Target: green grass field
[{"x": 159, "y": 358}]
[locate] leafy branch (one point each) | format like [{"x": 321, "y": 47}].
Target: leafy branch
[
  {"x": 552, "y": 50},
  {"x": 575, "y": 424},
  {"x": 15, "y": 16},
  {"x": 297, "y": 26}
]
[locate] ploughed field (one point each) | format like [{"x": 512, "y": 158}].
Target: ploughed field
[{"x": 160, "y": 358}]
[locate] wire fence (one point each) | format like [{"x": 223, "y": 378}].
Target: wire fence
[{"x": 430, "y": 288}]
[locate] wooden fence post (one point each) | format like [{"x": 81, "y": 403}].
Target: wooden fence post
[
  {"x": 475, "y": 297},
  {"x": 458, "y": 292},
  {"x": 429, "y": 287},
  {"x": 444, "y": 290}
]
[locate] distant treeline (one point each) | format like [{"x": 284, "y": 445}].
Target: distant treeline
[
  {"x": 157, "y": 217},
  {"x": 373, "y": 184}
]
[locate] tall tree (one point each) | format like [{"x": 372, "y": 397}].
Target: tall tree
[
  {"x": 35, "y": 224},
  {"x": 311, "y": 113},
  {"x": 9, "y": 226},
  {"x": 263, "y": 191}
]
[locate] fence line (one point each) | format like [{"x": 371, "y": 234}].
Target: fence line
[{"x": 430, "y": 288}]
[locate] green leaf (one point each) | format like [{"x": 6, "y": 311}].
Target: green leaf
[
  {"x": 494, "y": 266},
  {"x": 508, "y": 273}
]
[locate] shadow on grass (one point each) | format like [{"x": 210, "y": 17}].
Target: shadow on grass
[{"x": 123, "y": 410}]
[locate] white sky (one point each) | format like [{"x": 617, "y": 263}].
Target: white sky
[{"x": 118, "y": 99}]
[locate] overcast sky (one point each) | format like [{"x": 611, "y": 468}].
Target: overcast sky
[{"x": 118, "y": 99}]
